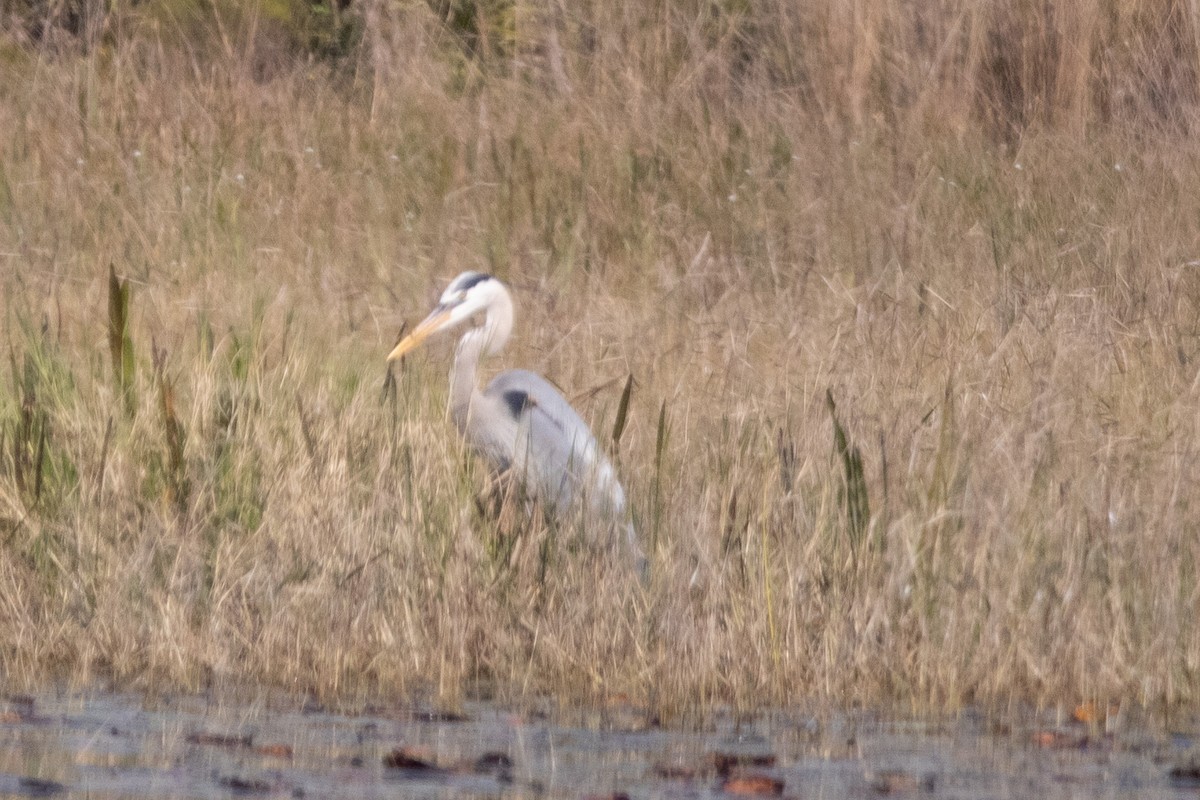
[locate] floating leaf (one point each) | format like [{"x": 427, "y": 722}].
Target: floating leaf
[
  {"x": 753, "y": 785},
  {"x": 412, "y": 759}
]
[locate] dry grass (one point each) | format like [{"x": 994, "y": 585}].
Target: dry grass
[{"x": 998, "y": 285}]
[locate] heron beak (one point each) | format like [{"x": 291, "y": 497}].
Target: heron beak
[{"x": 430, "y": 325}]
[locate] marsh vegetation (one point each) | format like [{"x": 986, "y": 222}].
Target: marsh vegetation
[{"x": 908, "y": 294}]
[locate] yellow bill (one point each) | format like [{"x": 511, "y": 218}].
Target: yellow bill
[{"x": 431, "y": 324}]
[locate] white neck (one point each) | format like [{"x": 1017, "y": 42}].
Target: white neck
[{"x": 488, "y": 338}]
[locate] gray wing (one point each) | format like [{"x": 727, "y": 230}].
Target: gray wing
[{"x": 555, "y": 451}]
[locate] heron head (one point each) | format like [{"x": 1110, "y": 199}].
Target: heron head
[{"x": 467, "y": 296}]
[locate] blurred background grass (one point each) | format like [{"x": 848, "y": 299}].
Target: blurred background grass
[{"x": 908, "y": 293}]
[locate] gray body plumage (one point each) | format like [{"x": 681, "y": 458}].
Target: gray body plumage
[
  {"x": 520, "y": 423},
  {"x": 553, "y": 448}
]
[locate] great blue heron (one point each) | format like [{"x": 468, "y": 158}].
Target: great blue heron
[{"x": 520, "y": 422}]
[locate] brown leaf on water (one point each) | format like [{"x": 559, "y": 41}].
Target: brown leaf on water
[
  {"x": 1186, "y": 775},
  {"x": 898, "y": 781},
  {"x": 10, "y": 717},
  {"x": 413, "y": 759},
  {"x": 274, "y": 750},
  {"x": 753, "y": 785},
  {"x": 726, "y": 763},
  {"x": 241, "y": 785},
  {"x": 674, "y": 772},
  {"x": 220, "y": 739},
  {"x": 39, "y": 787},
  {"x": 420, "y": 760}
]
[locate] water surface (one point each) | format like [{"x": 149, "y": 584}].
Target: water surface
[{"x": 102, "y": 745}]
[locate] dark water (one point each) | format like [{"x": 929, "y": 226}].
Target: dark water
[{"x": 118, "y": 745}]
